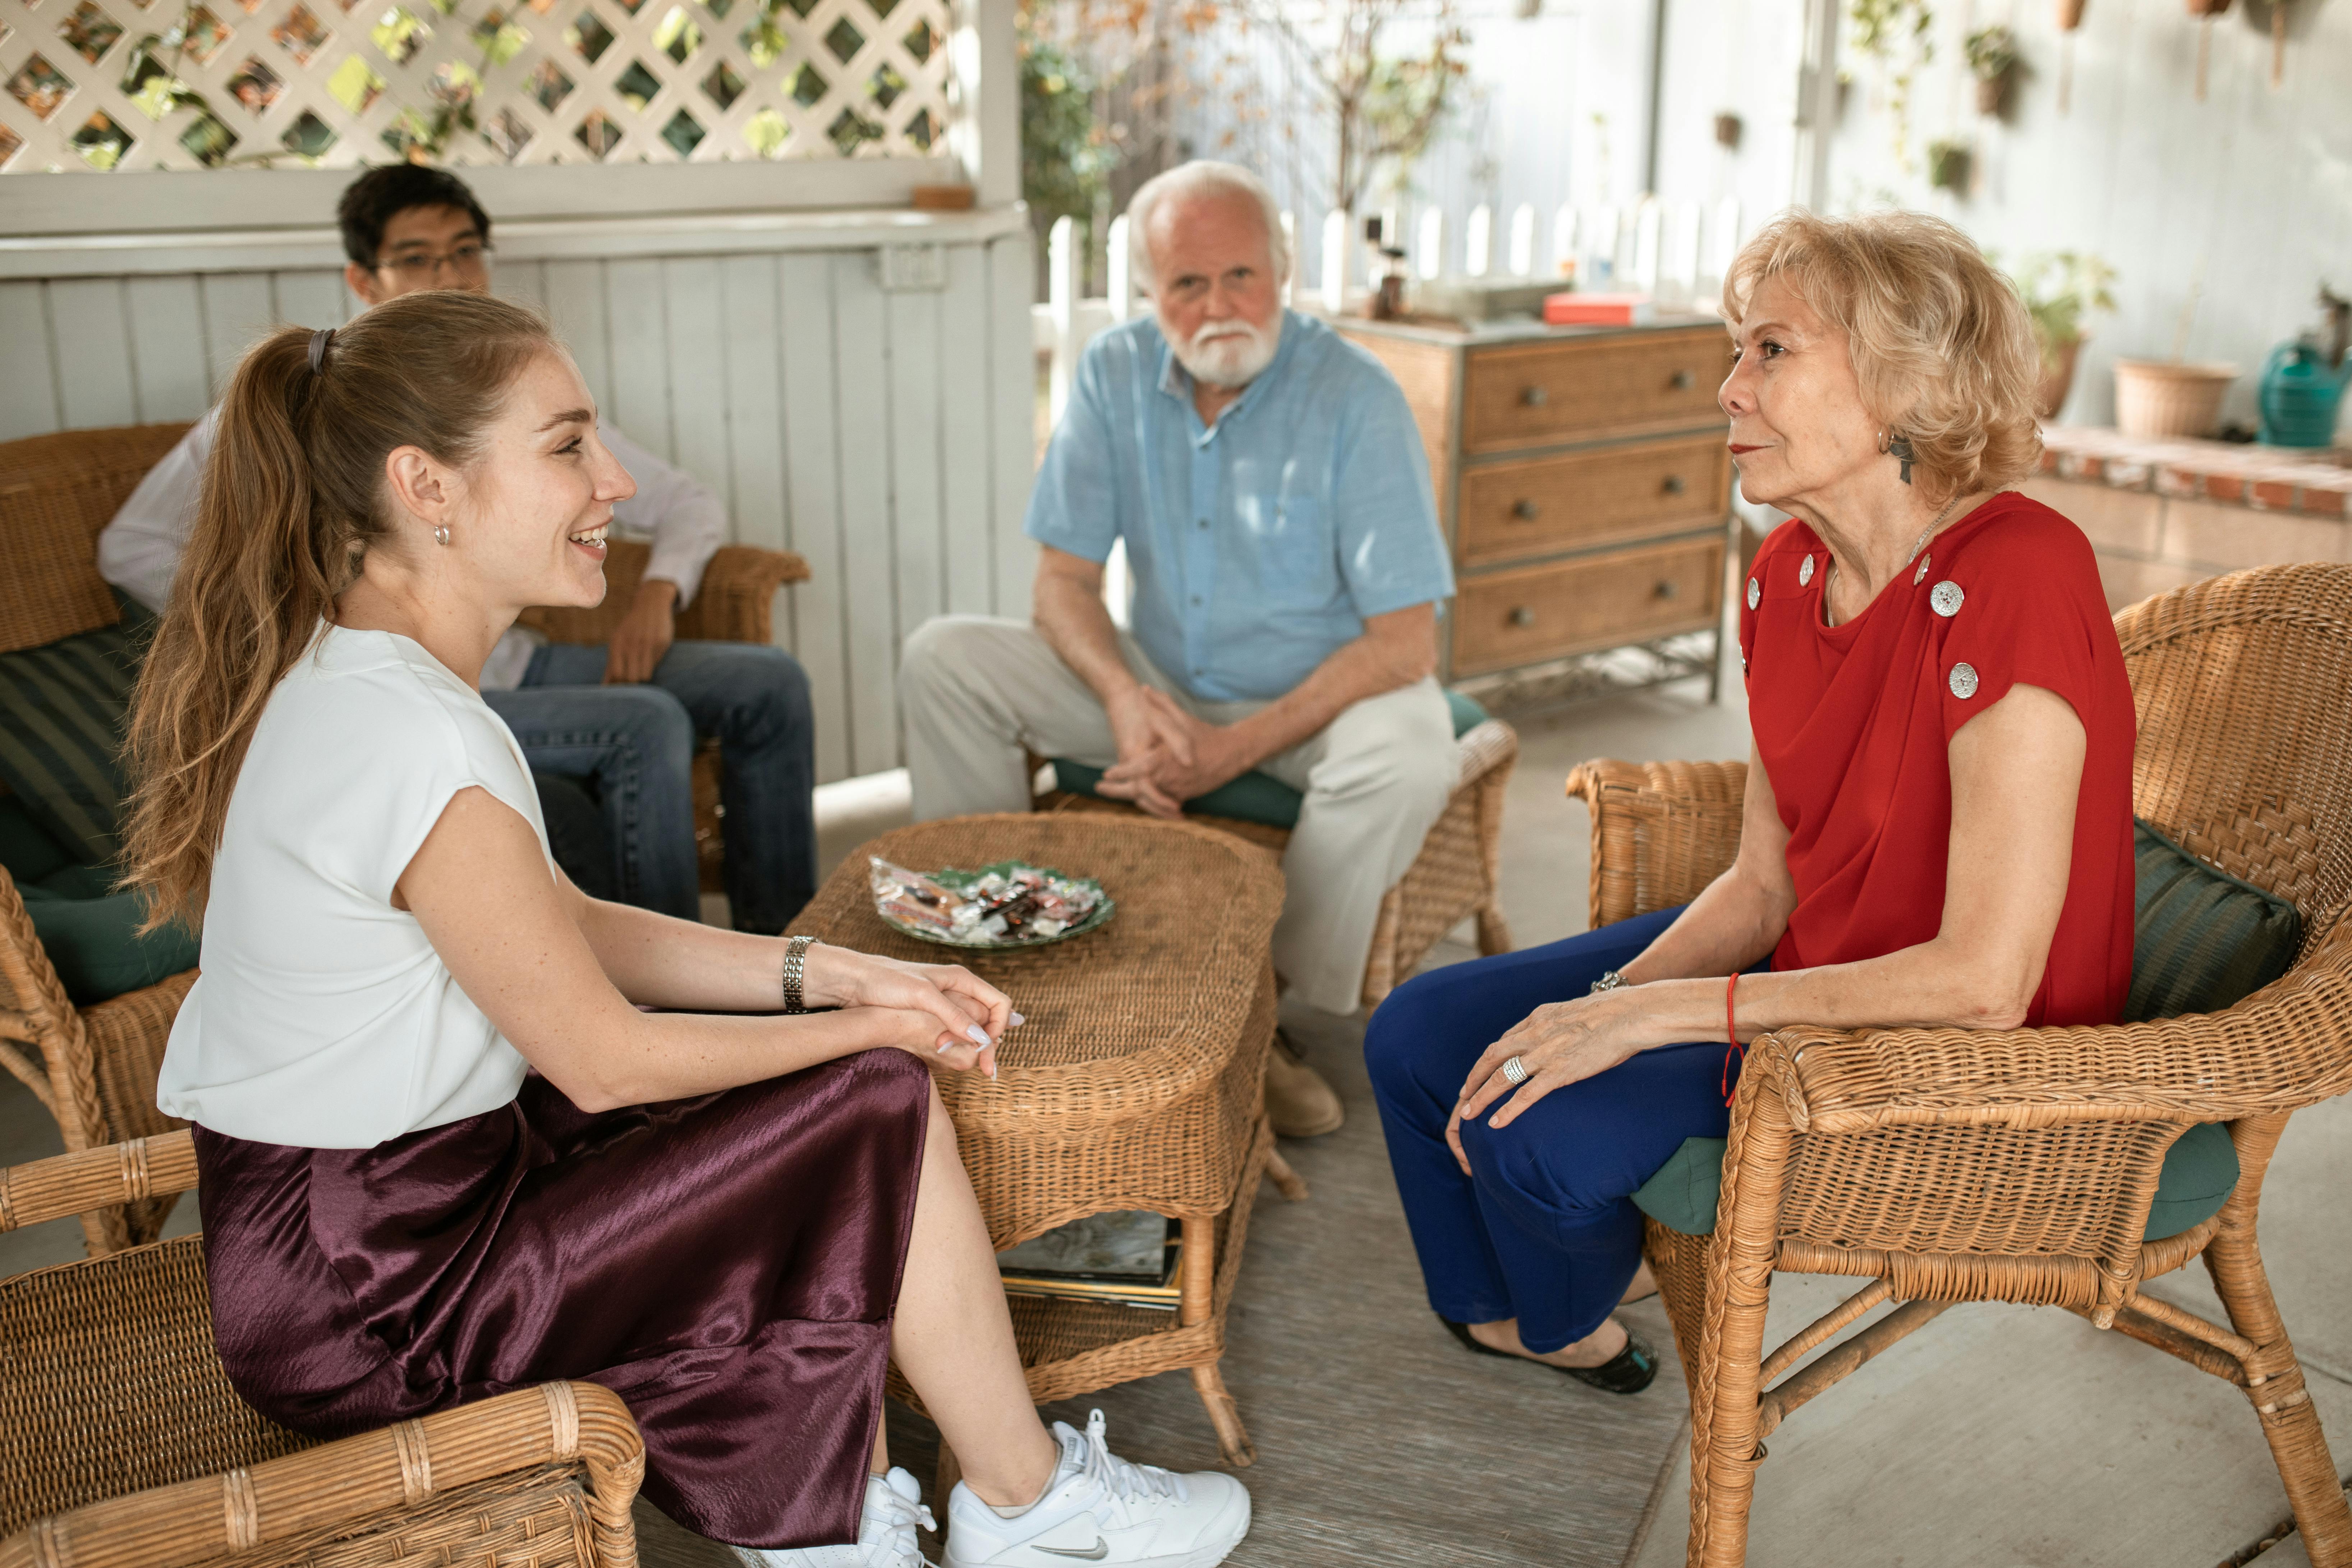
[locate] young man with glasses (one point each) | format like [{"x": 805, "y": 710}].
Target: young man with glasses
[{"x": 622, "y": 718}]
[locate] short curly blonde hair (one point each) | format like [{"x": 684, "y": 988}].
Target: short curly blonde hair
[{"x": 1940, "y": 343}]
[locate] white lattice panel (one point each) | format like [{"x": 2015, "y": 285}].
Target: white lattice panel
[{"x": 98, "y": 84}]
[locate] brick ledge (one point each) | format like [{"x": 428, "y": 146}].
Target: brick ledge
[{"x": 2315, "y": 483}]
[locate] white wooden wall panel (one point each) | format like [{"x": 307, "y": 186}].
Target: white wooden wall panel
[
  {"x": 812, "y": 483},
  {"x": 888, "y": 438},
  {"x": 166, "y": 316},
  {"x": 861, "y": 386},
  {"x": 88, "y": 312}
]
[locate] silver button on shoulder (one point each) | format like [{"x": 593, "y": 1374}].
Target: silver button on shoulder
[
  {"x": 1920, "y": 575},
  {"x": 1964, "y": 681},
  {"x": 1805, "y": 572},
  {"x": 1754, "y": 592},
  {"x": 1945, "y": 599}
]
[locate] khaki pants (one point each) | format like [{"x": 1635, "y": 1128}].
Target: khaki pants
[{"x": 977, "y": 691}]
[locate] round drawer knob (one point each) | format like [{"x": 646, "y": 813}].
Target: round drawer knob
[
  {"x": 1666, "y": 589},
  {"x": 1673, "y": 485},
  {"x": 1535, "y": 396},
  {"x": 1683, "y": 380},
  {"x": 1526, "y": 511},
  {"x": 1522, "y": 616}
]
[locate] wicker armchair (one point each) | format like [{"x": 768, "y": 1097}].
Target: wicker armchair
[
  {"x": 94, "y": 1068},
  {"x": 735, "y": 604},
  {"x": 1452, "y": 879},
  {"x": 1952, "y": 1165},
  {"x": 122, "y": 1445}
]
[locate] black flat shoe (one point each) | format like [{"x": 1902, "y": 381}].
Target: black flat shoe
[{"x": 1629, "y": 1370}]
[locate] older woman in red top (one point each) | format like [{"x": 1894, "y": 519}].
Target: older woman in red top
[{"x": 1937, "y": 825}]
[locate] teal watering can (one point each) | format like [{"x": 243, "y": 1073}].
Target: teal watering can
[{"x": 2300, "y": 395}]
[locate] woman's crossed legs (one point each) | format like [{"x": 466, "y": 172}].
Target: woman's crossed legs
[{"x": 1543, "y": 1234}]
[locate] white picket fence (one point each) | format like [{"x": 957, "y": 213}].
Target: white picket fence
[{"x": 1677, "y": 252}]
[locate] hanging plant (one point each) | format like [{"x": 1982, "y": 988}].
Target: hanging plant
[
  {"x": 1993, "y": 61},
  {"x": 1948, "y": 162},
  {"x": 1899, "y": 35},
  {"x": 2069, "y": 22}
]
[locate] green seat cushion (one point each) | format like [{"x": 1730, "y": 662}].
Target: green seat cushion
[
  {"x": 26, "y": 847},
  {"x": 1255, "y": 796},
  {"x": 95, "y": 945},
  {"x": 62, "y": 710},
  {"x": 2202, "y": 938},
  {"x": 2199, "y": 1173}
]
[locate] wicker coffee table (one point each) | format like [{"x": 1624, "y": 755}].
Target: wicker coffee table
[{"x": 1138, "y": 1081}]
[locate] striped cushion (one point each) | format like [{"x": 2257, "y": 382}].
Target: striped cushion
[
  {"x": 62, "y": 710},
  {"x": 2202, "y": 938}
]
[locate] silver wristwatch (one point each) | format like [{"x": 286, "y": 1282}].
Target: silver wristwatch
[
  {"x": 1610, "y": 980},
  {"x": 796, "y": 963}
]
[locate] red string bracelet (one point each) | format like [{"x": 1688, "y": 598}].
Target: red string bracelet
[{"x": 1731, "y": 1033}]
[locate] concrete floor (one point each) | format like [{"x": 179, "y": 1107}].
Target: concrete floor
[{"x": 1998, "y": 1436}]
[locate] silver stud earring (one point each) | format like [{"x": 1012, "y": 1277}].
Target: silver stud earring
[{"x": 441, "y": 534}]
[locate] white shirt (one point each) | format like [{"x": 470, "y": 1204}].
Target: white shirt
[
  {"x": 683, "y": 518},
  {"x": 323, "y": 1017}
]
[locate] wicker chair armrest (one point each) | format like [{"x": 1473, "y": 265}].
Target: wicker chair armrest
[
  {"x": 340, "y": 1483},
  {"x": 1661, "y": 831},
  {"x": 75, "y": 1184},
  {"x": 739, "y": 594},
  {"x": 2278, "y": 1050}
]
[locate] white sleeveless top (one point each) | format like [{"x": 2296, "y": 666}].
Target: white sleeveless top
[{"x": 323, "y": 1017}]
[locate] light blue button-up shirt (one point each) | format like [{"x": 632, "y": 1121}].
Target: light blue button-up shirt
[{"x": 1262, "y": 543}]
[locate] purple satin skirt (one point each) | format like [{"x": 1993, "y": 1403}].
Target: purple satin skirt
[{"x": 726, "y": 1265}]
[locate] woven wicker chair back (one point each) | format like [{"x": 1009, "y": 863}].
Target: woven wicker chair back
[
  {"x": 56, "y": 493},
  {"x": 109, "y": 1383},
  {"x": 2245, "y": 688}
]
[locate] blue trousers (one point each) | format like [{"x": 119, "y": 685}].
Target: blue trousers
[
  {"x": 1545, "y": 1229},
  {"x": 636, "y": 745}
]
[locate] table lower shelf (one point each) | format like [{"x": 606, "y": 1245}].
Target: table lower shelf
[{"x": 1072, "y": 1347}]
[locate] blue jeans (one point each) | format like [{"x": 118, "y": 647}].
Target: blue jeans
[
  {"x": 1545, "y": 1230},
  {"x": 636, "y": 745}
]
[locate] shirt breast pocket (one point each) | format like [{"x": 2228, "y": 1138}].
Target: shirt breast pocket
[{"x": 1295, "y": 552}]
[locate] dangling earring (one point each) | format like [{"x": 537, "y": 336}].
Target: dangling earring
[
  {"x": 441, "y": 534},
  {"x": 1899, "y": 448}
]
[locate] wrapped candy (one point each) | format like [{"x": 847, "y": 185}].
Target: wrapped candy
[{"x": 1008, "y": 904}]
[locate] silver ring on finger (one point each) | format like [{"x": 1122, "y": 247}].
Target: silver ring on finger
[{"x": 1515, "y": 1070}]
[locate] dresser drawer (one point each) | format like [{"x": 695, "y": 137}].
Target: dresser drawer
[
  {"x": 1512, "y": 510},
  {"x": 1623, "y": 384},
  {"x": 1548, "y": 612}
]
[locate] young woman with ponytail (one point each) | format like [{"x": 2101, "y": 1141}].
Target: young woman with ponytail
[{"x": 444, "y": 1152}]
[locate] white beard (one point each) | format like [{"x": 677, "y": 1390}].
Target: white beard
[{"x": 1230, "y": 354}]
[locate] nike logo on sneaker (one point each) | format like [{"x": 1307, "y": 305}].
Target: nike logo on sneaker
[{"x": 1094, "y": 1553}]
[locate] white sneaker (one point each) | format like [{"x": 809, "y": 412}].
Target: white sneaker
[
  {"x": 885, "y": 1532},
  {"x": 1100, "y": 1509}
]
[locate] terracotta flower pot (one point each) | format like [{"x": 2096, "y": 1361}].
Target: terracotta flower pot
[
  {"x": 2164, "y": 399},
  {"x": 1992, "y": 92},
  {"x": 2057, "y": 380},
  {"x": 2070, "y": 15}
]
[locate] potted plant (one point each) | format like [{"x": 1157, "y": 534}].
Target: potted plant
[
  {"x": 2060, "y": 287},
  {"x": 1992, "y": 61},
  {"x": 1949, "y": 161}
]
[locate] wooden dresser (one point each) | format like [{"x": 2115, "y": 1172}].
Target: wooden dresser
[{"x": 1583, "y": 482}]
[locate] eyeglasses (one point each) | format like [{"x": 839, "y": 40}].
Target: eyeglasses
[{"x": 466, "y": 261}]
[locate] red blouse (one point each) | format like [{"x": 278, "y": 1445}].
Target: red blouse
[{"x": 1855, "y": 725}]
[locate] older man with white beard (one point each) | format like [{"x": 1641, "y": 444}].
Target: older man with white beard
[{"x": 1270, "y": 486}]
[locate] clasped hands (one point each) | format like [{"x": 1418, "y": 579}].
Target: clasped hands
[
  {"x": 1560, "y": 1043},
  {"x": 939, "y": 1012},
  {"x": 1166, "y": 756}
]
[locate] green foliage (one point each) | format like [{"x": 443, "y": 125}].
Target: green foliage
[
  {"x": 1065, "y": 161},
  {"x": 2060, "y": 287},
  {"x": 1991, "y": 52},
  {"x": 1406, "y": 102},
  {"x": 1900, "y": 35}
]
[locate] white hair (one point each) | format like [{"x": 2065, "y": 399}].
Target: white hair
[{"x": 1202, "y": 176}]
